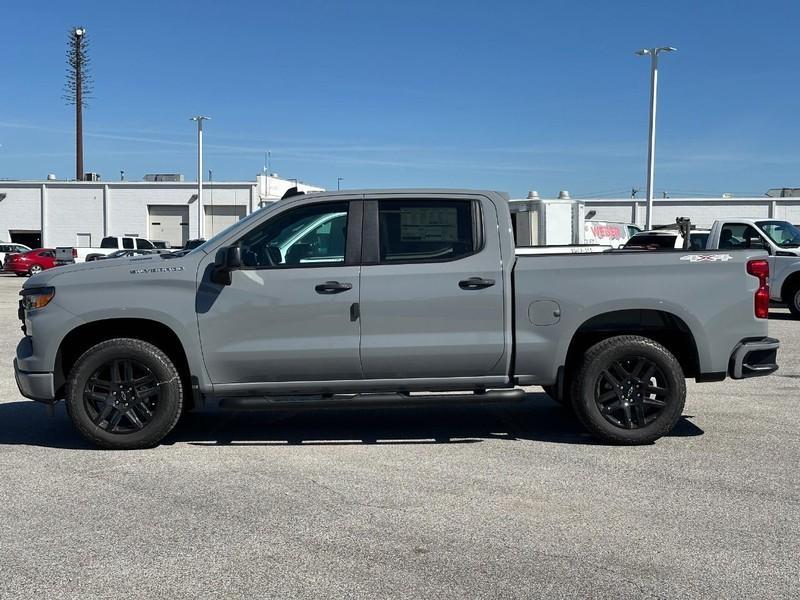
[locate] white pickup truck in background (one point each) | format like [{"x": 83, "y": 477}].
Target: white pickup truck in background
[
  {"x": 780, "y": 238},
  {"x": 68, "y": 254}
]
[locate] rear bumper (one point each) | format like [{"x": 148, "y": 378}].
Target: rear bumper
[
  {"x": 36, "y": 386},
  {"x": 754, "y": 358}
]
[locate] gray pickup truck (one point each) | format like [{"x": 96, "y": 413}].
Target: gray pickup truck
[{"x": 373, "y": 297}]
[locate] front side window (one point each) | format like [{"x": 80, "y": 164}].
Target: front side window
[
  {"x": 425, "y": 230},
  {"x": 739, "y": 236},
  {"x": 144, "y": 244},
  {"x": 309, "y": 235}
]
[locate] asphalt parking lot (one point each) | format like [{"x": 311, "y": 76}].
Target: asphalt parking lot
[{"x": 472, "y": 502}]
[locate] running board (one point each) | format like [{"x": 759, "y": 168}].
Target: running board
[{"x": 368, "y": 400}]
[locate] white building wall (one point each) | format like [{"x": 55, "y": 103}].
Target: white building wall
[
  {"x": 702, "y": 211},
  {"x": 20, "y": 209},
  {"x": 60, "y": 210},
  {"x": 72, "y": 210}
]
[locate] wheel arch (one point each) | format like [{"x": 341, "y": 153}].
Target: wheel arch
[
  {"x": 84, "y": 336},
  {"x": 663, "y": 327},
  {"x": 790, "y": 283}
]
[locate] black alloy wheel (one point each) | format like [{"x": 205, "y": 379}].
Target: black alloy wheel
[
  {"x": 124, "y": 393},
  {"x": 632, "y": 392},
  {"x": 628, "y": 389},
  {"x": 121, "y": 396}
]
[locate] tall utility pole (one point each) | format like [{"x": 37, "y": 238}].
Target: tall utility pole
[
  {"x": 651, "y": 148},
  {"x": 200, "y": 119},
  {"x": 78, "y": 88}
]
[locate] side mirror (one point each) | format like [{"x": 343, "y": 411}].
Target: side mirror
[{"x": 228, "y": 259}]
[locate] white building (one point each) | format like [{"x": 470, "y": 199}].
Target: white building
[
  {"x": 702, "y": 211},
  {"x": 80, "y": 213}
]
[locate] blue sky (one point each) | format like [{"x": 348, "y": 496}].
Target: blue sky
[{"x": 503, "y": 95}]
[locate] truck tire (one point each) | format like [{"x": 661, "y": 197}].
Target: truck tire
[
  {"x": 124, "y": 394},
  {"x": 793, "y": 301},
  {"x": 628, "y": 390}
]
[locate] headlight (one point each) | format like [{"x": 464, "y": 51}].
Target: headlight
[{"x": 39, "y": 297}]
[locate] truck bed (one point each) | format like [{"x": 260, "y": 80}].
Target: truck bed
[{"x": 707, "y": 294}]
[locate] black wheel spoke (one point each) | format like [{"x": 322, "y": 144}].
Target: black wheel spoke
[
  {"x": 144, "y": 410},
  {"x": 115, "y": 419},
  {"x": 127, "y": 370},
  {"x": 606, "y": 396},
  {"x": 640, "y": 414},
  {"x": 610, "y": 378},
  {"x": 97, "y": 397},
  {"x": 103, "y": 415},
  {"x": 134, "y": 419},
  {"x": 96, "y": 382},
  {"x": 654, "y": 402},
  {"x": 115, "y": 372},
  {"x": 626, "y": 411},
  {"x": 648, "y": 373},
  {"x": 637, "y": 369},
  {"x": 659, "y": 391},
  {"x": 621, "y": 371}
]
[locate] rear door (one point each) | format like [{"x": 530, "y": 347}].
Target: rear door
[{"x": 431, "y": 288}]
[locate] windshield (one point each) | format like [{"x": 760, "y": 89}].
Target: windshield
[{"x": 782, "y": 233}]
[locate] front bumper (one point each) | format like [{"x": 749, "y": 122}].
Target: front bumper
[
  {"x": 36, "y": 386},
  {"x": 754, "y": 358}
]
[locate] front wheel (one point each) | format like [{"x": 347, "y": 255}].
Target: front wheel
[
  {"x": 629, "y": 390},
  {"x": 34, "y": 270},
  {"x": 793, "y": 302},
  {"x": 124, "y": 393}
]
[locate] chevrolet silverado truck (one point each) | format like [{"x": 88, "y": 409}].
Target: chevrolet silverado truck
[{"x": 388, "y": 297}]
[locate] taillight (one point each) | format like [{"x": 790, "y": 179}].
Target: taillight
[
  {"x": 74, "y": 253},
  {"x": 760, "y": 268}
]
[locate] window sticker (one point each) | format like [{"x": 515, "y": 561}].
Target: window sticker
[{"x": 429, "y": 224}]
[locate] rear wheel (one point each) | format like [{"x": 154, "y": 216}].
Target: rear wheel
[
  {"x": 124, "y": 393},
  {"x": 629, "y": 390},
  {"x": 793, "y": 301}
]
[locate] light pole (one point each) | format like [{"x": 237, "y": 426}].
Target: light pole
[
  {"x": 651, "y": 149},
  {"x": 339, "y": 183},
  {"x": 200, "y": 119},
  {"x": 211, "y": 193}
]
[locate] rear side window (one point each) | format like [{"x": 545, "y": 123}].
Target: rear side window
[
  {"x": 697, "y": 241},
  {"x": 659, "y": 241},
  {"x": 425, "y": 230},
  {"x": 127, "y": 243},
  {"x": 109, "y": 242}
]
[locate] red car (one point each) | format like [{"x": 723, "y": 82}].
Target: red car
[{"x": 30, "y": 263}]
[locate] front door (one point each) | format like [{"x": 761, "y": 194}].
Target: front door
[
  {"x": 432, "y": 300},
  {"x": 290, "y": 314}
]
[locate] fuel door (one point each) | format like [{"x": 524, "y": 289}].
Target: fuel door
[{"x": 544, "y": 312}]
